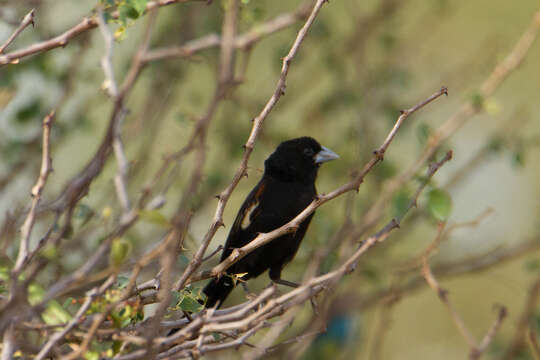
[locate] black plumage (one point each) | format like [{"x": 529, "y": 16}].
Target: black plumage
[{"x": 286, "y": 188}]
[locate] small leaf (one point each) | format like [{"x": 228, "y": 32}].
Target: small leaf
[
  {"x": 120, "y": 33},
  {"x": 477, "y": 101},
  {"x": 439, "y": 204},
  {"x": 68, "y": 302},
  {"x": 55, "y": 314},
  {"x": 120, "y": 249},
  {"x": 190, "y": 304},
  {"x": 122, "y": 281},
  {"x": 154, "y": 217},
  {"x": 138, "y": 5},
  {"x": 91, "y": 355},
  {"x": 49, "y": 252},
  {"x": 492, "y": 107}
]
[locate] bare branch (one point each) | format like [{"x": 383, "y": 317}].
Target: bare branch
[
  {"x": 87, "y": 23},
  {"x": 76, "y": 319},
  {"x": 520, "y": 335},
  {"x": 46, "y": 168},
  {"x": 8, "y": 346},
  {"x": 27, "y": 20},
  {"x": 488, "y": 338},
  {"x": 248, "y": 147},
  {"x": 109, "y": 83},
  {"x": 378, "y": 155},
  {"x": 243, "y": 41},
  {"x": 455, "y": 122},
  {"x": 443, "y": 296},
  {"x": 477, "y": 349}
]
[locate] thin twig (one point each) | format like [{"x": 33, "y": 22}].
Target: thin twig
[
  {"x": 87, "y": 23},
  {"x": 74, "y": 321},
  {"x": 27, "y": 20},
  {"x": 46, "y": 168},
  {"x": 248, "y": 148},
  {"x": 354, "y": 184},
  {"x": 443, "y": 295},
  {"x": 488, "y": 338},
  {"x": 509, "y": 64}
]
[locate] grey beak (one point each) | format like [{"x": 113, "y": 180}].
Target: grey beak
[{"x": 325, "y": 155}]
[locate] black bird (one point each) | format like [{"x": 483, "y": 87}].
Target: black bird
[{"x": 286, "y": 188}]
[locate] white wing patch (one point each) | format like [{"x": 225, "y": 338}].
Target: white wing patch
[{"x": 246, "y": 221}]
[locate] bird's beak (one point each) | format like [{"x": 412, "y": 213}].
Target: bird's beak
[{"x": 325, "y": 155}]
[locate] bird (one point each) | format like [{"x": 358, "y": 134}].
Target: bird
[{"x": 286, "y": 188}]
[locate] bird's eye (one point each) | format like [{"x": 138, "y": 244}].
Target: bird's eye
[{"x": 308, "y": 152}]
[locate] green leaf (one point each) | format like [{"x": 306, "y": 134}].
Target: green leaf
[
  {"x": 68, "y": 302},
  {"x": 439, "y": 204},
  {"x": 154, "y": 217},
  {"x": 189, "y": 303},
  {"x": 120, "y": 33},
  {"x": 49, "y": 252},
  {"x": 127, "y": 12},
  {"x": 120, "y": 249},
  {"x": 477, "y": 101},
  {"x": 55, "y": 314},
  {"x": 138, "y": 5},
  {"x": 91, "y": 355},
  {"x": 4, "y": 273},
  {"x": 122, "y": 281},
  {"x": 35, "y": 293}
]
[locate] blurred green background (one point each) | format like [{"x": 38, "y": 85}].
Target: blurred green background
[{"x": 361, "y": 63}]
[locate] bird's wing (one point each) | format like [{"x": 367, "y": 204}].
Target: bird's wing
[{"x": 252, "y": 218}]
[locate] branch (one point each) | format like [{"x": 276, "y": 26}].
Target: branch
[
  {"x": 248, "y": 148},
  {"x": 455, "y": 122},
  {"x": 520, "y": 335},
  {"x": 354, "y": 184},
  {"x": 74, "y": 321},
  {"x": 87, "y": 23},
  {"x": 8, "y": 346},
  {"x": 27, "y": 20},
  {"x": 243, "y": 41},
  {"x": 488, "y": 338},
  {"x": 476, "y": 349},
  {"x": 46, "y": 169}
]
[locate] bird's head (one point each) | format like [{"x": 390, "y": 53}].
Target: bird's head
[{"x": 298, "y": 160}]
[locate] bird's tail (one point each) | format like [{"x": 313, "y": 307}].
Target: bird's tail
[{"x": 218, "y": 290}]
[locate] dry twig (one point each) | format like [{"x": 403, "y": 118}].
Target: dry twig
[
  {"x": 46, "y": 168},
  {"x": 27, "y": 20}
]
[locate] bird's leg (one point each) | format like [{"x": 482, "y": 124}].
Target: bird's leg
[
  {"x": 249, "y": 294},
  {"x": 314, "y": 304},
  {"x": 245, "y": 287},
  {"x": 285, "y": 282}
]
